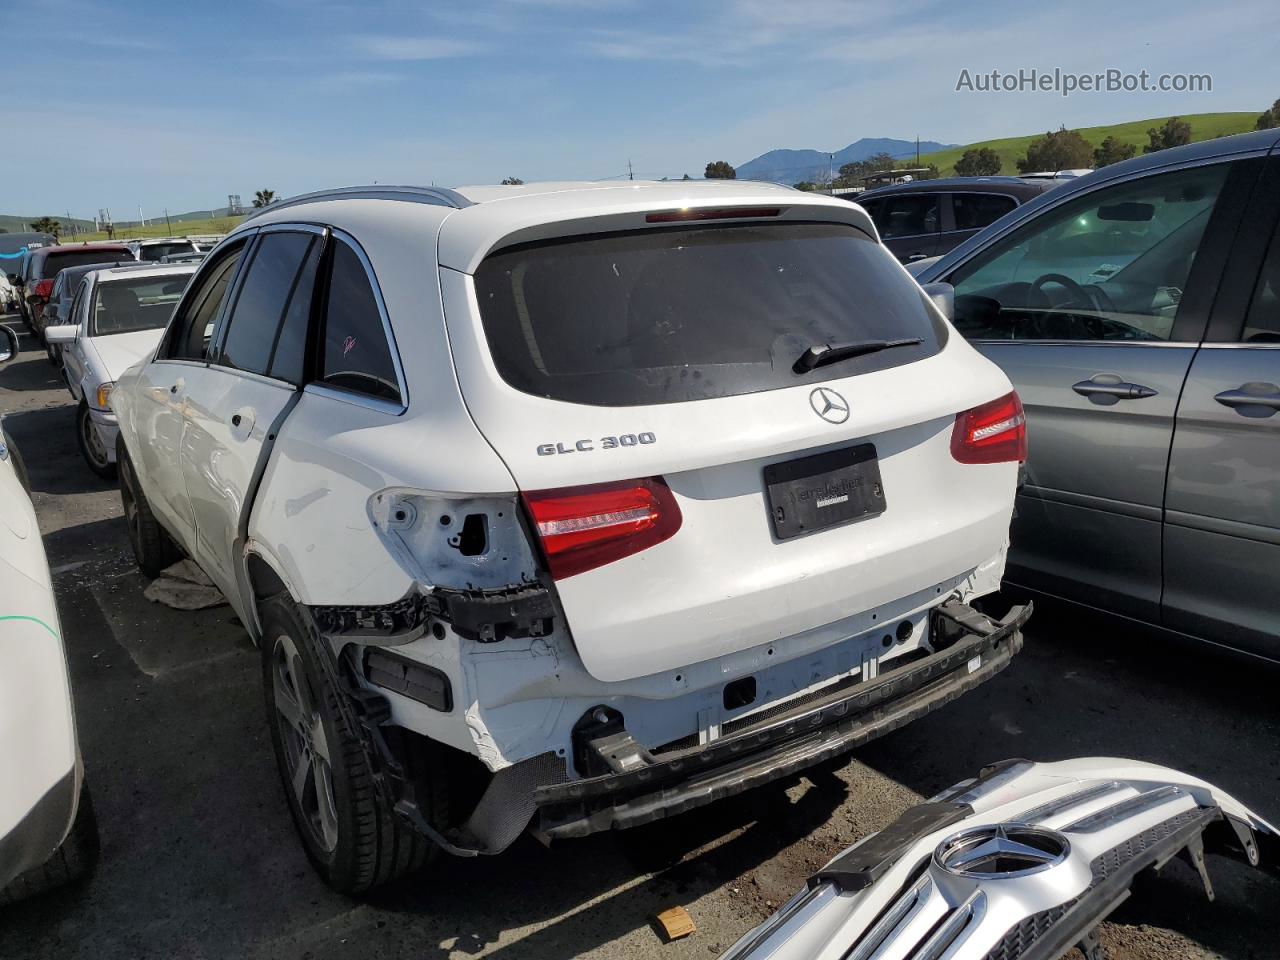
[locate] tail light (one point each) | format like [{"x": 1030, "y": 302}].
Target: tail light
[
  {"x": 582, "y": 528},
  {"x": 43, "y": 288},
  {"x": 994, "y": 432}
]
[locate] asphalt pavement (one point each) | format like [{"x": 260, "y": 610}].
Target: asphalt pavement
[{"x": 199, "y": 857}]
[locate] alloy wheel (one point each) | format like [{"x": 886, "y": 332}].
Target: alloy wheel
[{"x": 307, "y": 757}]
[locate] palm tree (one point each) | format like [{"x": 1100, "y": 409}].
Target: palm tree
[{"x": 264, "y": 198}]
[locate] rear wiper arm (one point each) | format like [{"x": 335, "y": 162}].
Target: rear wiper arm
[{"x": 821, "y": 355}]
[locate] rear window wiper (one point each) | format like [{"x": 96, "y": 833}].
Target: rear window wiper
[{"x": 822, "y": 354}]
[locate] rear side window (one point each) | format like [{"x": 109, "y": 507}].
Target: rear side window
[
  {"x": 189, "y": 339},
  {"x": 973, "y": 211},
  {"x": 356, "y": 355},
  {"x": 906, "y": 215},
  {"x": 1262, "y": 325},
  {"x": 155, "y": 251},
  {"x": 264, "y": 296},
  {"x": 669, "y": 315}
]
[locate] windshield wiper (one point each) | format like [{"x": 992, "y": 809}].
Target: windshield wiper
[{"x": 820, "y": 356}]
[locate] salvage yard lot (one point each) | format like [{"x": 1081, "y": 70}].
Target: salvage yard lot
[{"x": 199, "y": 858}]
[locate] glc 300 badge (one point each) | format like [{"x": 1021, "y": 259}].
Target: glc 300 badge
[
  {"x": 829, "y": 405},
  {"x": 605, "y": 443}
]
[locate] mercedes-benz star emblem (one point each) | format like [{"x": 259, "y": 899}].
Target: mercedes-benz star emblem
[
  {"x": 1001, "y": 851},
  {"x": 829, "y": 405}
]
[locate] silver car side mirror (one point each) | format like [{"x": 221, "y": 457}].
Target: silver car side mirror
[
  {"x": 9, "y": 345},
  {"x": 943, "y": 296}
]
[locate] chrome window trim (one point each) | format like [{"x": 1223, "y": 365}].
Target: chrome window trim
[
  {"x": 1239, "y": 345},
  {"x": 316, "y": 388},
  {"x": 387, "y": 332},
  {"x": 1100, "y": 343},
  {"x": 254, "y": 377}
]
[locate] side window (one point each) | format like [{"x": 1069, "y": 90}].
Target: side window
[
  {"x": 1262, "y": 325},
  {"x": 76, "y": 314},
  {"x": 189, "y": 337},
  {"x": 355, "y": 353},
  {"x": 1109, "y": 265},
  {"x": 261, "y": 302},
  {"x": 907, "y": 215},
  {"x": 973, "y": 211},
  {"x": 288, "y": 359}
]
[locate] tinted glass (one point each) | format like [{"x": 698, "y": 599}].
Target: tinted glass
[
  {"x": 53, "y": 262},
  {"x": 154, "y": 251},
  {"x": 191, "y": 334},
  {"x": 1263, "y": 322},
  {"x": 356, "y": 355},
  {"x": 137, "y": 303},
  {"x": 1110, "y": 265},
  {"x": 261, "y": 301},
  {"x": 973, "y": 211},
  {"x": 908, "y": 215},
  {"x": 289, "y": 356},
  {"x": 662, "y": 316}
]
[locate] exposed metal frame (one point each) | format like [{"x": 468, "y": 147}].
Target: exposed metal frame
[{"x": 436, "y": 196}]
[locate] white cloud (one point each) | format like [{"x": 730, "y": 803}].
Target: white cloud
[{"x": 408, "y": 48}]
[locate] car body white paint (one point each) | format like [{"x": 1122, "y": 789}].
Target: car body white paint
[
  {"x": 657, "y": 633},
  {"x": 37, "y": 726},
  {"x": 89, "y": 362}
]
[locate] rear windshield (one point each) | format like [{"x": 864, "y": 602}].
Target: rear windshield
[
  {"x": 154, "y": 251},
  {"x": 664, "y": 316},
  {"x": 140, "y": 303},
  {"x": 59, "y": 260}
]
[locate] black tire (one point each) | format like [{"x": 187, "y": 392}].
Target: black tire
[
  {"x": 73, "y": 860},
  {"x": 153, "y": 548},
  {"x": 352, "y": 838},
  {"x": 92, "y": 448}
]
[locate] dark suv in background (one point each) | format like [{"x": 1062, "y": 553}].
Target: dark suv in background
[{"x": 927, "y": 218}]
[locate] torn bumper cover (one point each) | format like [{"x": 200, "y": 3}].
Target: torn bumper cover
[
  {"x": 640, "y": 787},
  {"x": 1022, "y": 862}
]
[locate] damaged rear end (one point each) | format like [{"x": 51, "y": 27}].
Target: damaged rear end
[{"x": 756, "y": 482}]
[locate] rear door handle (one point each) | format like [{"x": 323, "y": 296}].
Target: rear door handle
[
  {"x": 1106, "y": 389},
  {"x": 1251, "y": 399}
]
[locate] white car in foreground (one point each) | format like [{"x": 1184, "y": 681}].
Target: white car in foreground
[
  {"x": 116, "y": 319},
  {"x": 47, "y": 832},
  {"x": 571, "y": 505},
  {"x": 1021, "y": 863}
]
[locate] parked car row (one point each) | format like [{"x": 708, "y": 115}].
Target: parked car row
[{"x": 637, "y": 496}]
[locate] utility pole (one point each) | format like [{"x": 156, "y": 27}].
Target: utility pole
[
  {"x": 917, "y": 149},
  {"x": 167, "y": 225},
  {"x": 831, "y": 184},
  {"x": 630, "y": 174},
  {"x": 70, "y": 224}
]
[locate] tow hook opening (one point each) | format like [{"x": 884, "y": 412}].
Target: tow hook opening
[{"x": 740, "y": 693}]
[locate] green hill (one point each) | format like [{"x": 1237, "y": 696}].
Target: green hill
[{"x": 1204, "y": 126}]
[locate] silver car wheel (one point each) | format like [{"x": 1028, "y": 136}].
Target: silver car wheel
[{"x": 306, "y": 745}]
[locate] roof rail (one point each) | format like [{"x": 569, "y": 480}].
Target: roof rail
[{"x": 439, "y": 196}]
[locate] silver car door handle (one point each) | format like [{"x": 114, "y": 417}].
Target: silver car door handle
[
  {"x": 1107, "y": 387},
  {"x": 1260, "y": 396}
]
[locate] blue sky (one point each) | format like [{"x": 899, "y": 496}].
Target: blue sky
[{"x": 178, "y": 104}]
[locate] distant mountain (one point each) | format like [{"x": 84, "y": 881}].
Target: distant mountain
[{"x": 792, "y": 166}]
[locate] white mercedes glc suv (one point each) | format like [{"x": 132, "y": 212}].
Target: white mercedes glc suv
[{"x": 571, "y": 506}]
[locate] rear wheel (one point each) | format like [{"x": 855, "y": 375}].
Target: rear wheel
[
  {"x": 350, "y": 835},
  {"x": 153, "y": 548},
  {"x": 92, "y": 448},
  {"x": 72, "y": 860}
]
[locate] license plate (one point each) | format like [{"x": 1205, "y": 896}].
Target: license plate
[{"x": 824, "y": 490}]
